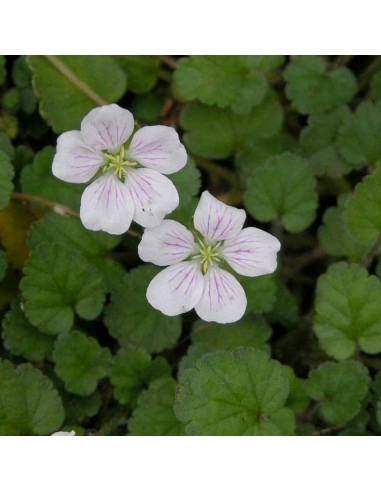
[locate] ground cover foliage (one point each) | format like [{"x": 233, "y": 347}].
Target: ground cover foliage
[{"x": 296, "y": 142}]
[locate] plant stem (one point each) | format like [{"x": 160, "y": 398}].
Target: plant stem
[{"x": 168, "y": 60}]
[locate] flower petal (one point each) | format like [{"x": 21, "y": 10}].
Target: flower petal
[
  {"x": 252, "y": 252},
  {"x": 177, "y": 289},
  {"x": 153, "y": 194},
  {"x": 158, "y": 147},
  {"x": 217, "y": 221},
  {"x": 106, "y": 205},
  {"x": 75, "y": 161},
  {"x": 107, "y": 127},
  {"x": 223, "y": 299},
  {"x": 166, "y": 244}
]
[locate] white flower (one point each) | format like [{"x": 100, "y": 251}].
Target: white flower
[
  {"x": 196, "y": 277},
  {"x": 63, "y": 433},
  {"x": 128, "y": 167}
]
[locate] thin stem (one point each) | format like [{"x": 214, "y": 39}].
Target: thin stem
[
  {"x": 369, "y": 72},
  {"x": 65, "y": 70},
  {"x": 328, "y": 430},
  {"x": 168, "y": 60},
  {"x": 215, "y": 170}
]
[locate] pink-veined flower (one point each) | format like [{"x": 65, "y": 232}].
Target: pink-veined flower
[
  {"x": 128, "y": 169},
  {"x": 195, "y": 277}
]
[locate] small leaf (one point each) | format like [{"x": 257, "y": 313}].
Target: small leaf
[
  {"x": 21, "y": 338},
  {"x": 154, "y": 415},
  {"x": 283, "y": 188},
  {"x": 319, "y": 144},
  {"x": 348, "y": 306},
  {"x": 78, "y": 408},
  {"x": 142, "y": 71},
  {"x": 29, "y": 404},
  {"x": 313, "y": 89},
  {"x": 132, "y": 370},
  {"x": 133, "y": 321},
  {"x": 260, "y": 293},
  {"x": 298, "y": 399},
  {"x": 80, "y": 362},
  {"x": 339, "y": 387},
  {"x": 217, "y": 133},
  {"x": 37, "y": 179},
  {"x": 359, "y": 135},
  {"x": 235, "y": 81},
  {"x": 58, "y": 282},
  {"x": 285, "y": 310},
  {"x": 70, "y": 86},
  {"x": 236, "y": 393},
  {"x": 187, "y": 182},
  {"x": 6, "y": 146},
  {"x": 6, "y": 176},
  {"x": 362, "y": 212}
]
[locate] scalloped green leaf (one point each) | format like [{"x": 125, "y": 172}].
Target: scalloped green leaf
[
  {"x": 21, "y": 338},
  {"x": 70, "y": 86},
  {"x": 283, "y": 188},
  {"x": 240, "y": 392},
  {"x": 285, "y": 310},
  {"x": 142, "y": 71},
  {"x": 132, "y": 371},
  {"x": 29, "y": 403},
  {"x": 298, "y": 399},
  {"x": 154, "y": 415},
  {"x": 78, "y": 408},
  {"x": 37, "y": 179},
  {"x": 359, "y": 135},
  {"x": 6, "y": 146},
  {"x": 187, "y": 182},
  {"x": 362, "y": 212},
  {"x": 340, "y": 388},
  {"x": 260, "y": 293},
  {"x": 59, "y": 282},
  {"x": 319, "y": 145},
  {"x": 235, "y": 81},
  {"x": 6, "y": 176},
  {"x": 348, "y": 307},
  {"x": 217, "y": 133},
  {"x": 133, "y": 321},
  {"x": 314, "y": 89},
  {"x": 80, "y": 362},
  {"x": 334, "y": 235}
]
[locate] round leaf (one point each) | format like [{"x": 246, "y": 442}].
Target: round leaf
[{"x": 6, "y": 176}]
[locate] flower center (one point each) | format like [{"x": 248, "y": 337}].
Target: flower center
[
  {"x": 208, "y": 254},
  {"x": 117, "y": 162}
]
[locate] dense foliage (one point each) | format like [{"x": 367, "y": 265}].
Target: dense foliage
[{"x": 296, "y": 142}]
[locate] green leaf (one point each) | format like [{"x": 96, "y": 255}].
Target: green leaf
[
  {"x": 3, "y": 264},
  {"x": 80, "y": 362},
  {"x": 187, "y": 182},
  {"x": 334, "y": 235},
  {"x": 78, "y": 408},
  {"x": 348, "y": 306},
  {"x": 6, "y": 176},
  {"x": 6, "y": 146},
  {"x": 318, "y": 141},
  {"x": 142, "y": 71},
  {"x": 260, "y": 293},
  {"x": 313, "y": 89},
  {"x": 241, "y": 392},
  {"x": 257, "y": 153},
  {"x": 29, "y": 404},
  {"x": 132, "y": 370},
  {"x": 235, "y": 81},
  {"x": 359, "y": 135},
  {"x": 217, "y": 133},
  {"x": 375, "y": 85},
  {"x": 21, "y": 338},
  {"x": 147, "y": 108},
  {"x": 92, "y": 245},
  {"x": 58, "y": 282},
  {"x": 285, "y": 310},
  {"x": 133, "y": 321},
  {"x": 154, "y": 415},
  {"x": 70, "y": 86},
  {"x": 339, "y": 387},
  {"x": 37, "y": 179},
  {"x": 298, "y": 399},
  {"x": 184, "y": 212},
  {"x": 283, "y": 188},
  {"x": 362, "y": 213}
]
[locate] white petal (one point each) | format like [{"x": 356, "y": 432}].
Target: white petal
[
  {"x": 63, "y": 433},
  {"x": 158, "y": 147},
  {"x": 106, "y": 205},
  {"x": 177, "y": 289},
  {"x": 166, "y": 244},
  {"x": 223, "y": 299},
  {"x": 252, "y": 252},
  {"x": 107, "y": 127},
  {"x": 153, "y": 194},
  {"x": 217, "y": 221},
  {"x": 75, "y": 161}
]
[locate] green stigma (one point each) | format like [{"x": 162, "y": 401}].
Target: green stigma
[
  {"x": 208, "y": 255},
  {"x": 117, "y": 162}
]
